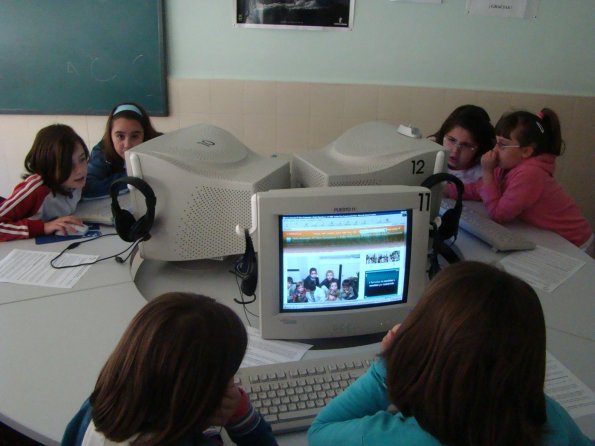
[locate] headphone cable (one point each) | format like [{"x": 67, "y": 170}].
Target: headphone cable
[{"x": 77, "y": 244}]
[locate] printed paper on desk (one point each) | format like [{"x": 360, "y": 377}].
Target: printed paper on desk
[
  {"x": 261, "y": 351},
  {"x": 542, "y": 268},
  {"x": 33, "y": 268},
  {"x": 570, "y": 392}
]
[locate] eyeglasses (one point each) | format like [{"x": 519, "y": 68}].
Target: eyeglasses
[
  {"x": 502, "y": 145},
  {"x": 452, "y": 143}
]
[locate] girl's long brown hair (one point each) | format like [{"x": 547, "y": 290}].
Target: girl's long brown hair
[
  {"x": 169, "y": 371},
  {"x": 469, "y": 361}
]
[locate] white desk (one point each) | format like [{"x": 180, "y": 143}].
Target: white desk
[
  {"x": 53, "y": 342},
  {"x": 102, "y": 273}
]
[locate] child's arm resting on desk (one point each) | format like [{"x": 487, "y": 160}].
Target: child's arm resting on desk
[
  {"x": 524, "y": 188},
  {"x": 470, "y": 192},
  {"x": 246, "y": 427},
  {"x": 99, "y": 187},
  {"x": 99, "y": 176},
  {"x": 361, "y": 411},
  {"x": 24, "y": 202}
]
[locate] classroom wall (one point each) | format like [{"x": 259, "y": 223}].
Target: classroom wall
[
  {"x": 289, "y": 91},
  {"x": 395, "y": 43}
]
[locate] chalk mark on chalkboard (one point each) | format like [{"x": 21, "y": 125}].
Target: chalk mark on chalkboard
[
  {"x": 96, "y": 76},
  {"x": 137, "y": 68},
  {"x": 70, "y": 68}
]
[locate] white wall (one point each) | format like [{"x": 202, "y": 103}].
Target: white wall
[
  {"x": 298, "y": 90},
  {"x": 395, "y": 43}
]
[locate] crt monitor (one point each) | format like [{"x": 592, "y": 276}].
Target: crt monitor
[
  {"x": 203, "y": 178},
  {"x": 372, "y": 240},
  {"x": 371, "y": 153}
]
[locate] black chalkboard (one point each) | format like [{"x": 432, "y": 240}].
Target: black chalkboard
[{"x": 81, "y": 57}]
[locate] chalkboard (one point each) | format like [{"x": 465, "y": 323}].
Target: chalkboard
[{"x": 81, "y": 57}]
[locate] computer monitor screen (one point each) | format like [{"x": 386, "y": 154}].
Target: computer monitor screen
[
  {"x": 336, "y": 262},
  {"x": 362, "y": 259}
]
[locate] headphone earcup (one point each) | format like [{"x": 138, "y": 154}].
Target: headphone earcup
[
  {"x": 450, "y": 219},
  {"x": 248, "y": 285},
  {"x": 247, "y": 268},
  {"x": 140, "y": 229},
  {"x": 449, "y": 225},
  {"x": 124, "y": 221},
  {"x": 126, "y": 225}
]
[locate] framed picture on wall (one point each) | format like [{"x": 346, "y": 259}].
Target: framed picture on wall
[{"x": 294, "y": 14}]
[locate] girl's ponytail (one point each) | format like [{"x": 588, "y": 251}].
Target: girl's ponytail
[{"x": 551, "y": 125}]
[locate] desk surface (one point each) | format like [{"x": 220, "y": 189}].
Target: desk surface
[{"x": 53, "y": 342}]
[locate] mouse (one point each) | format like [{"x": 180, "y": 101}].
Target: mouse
[{"x": 78, "y": 230}]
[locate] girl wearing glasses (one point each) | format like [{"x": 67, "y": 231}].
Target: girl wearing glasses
[
  {"x": 518, "y": 178},
  {"x": 467, "y": 134}
]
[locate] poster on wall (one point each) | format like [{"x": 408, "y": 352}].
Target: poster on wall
[
  {"x": 504, "y": 8},
  {"x": 295, "y": 14}
]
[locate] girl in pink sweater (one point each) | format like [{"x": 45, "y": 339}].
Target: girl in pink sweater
[{"x": 518, "y": 177}]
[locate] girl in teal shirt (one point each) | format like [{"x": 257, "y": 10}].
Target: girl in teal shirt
[{"x": 466, "y": 367}]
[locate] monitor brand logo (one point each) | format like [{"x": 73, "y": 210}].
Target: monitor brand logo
[
  {"x": 345, "y": 209},
  {"x": 206, "y": 143}
]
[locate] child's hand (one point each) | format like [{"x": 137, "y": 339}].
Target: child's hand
[
  {"x": 62, "y": 224},
  {"x": 229, "y": 404},
  {"x": 489, "y": 161},
  {"x": 387, "y": 340}
]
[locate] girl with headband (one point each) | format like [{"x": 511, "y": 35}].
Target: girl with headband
[{"x": 128, "y": 125}]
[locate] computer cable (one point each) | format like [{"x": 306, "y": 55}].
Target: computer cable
[{"x": 77, "y": 244}]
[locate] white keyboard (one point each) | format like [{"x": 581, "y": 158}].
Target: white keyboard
[
  {"x": 499, "y": 237},
  {"x": 290, "y": 395}
]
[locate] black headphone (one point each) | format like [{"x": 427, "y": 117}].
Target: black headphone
[
  {"x": 127, "y": 227},
  {"x": 449, "y": 226},
  {"x": 246, "y": 268}
]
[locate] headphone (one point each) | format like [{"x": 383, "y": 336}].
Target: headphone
[
  {"x": 127, "y": 227},
  {"x": 449, "y": 225},
  {"x": 246, "y": 268}
]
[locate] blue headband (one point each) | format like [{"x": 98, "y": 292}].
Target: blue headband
[{"x": 127, "y": 107}]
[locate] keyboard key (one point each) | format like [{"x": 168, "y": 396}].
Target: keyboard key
[{"x": 299, "y": 414}]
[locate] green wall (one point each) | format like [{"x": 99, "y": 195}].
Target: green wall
[{"x": 395, "y": 43}]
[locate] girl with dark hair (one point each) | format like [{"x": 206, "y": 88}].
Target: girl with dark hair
[
  {"x": 170, "y": 378},
  {"x": 466, "y": 367},
  {"x": 43, "y": 203},
  {"x": 466, "y": 134},
  {"x": 518, "y": 178},
  {"x": 128, "y": 125}
]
